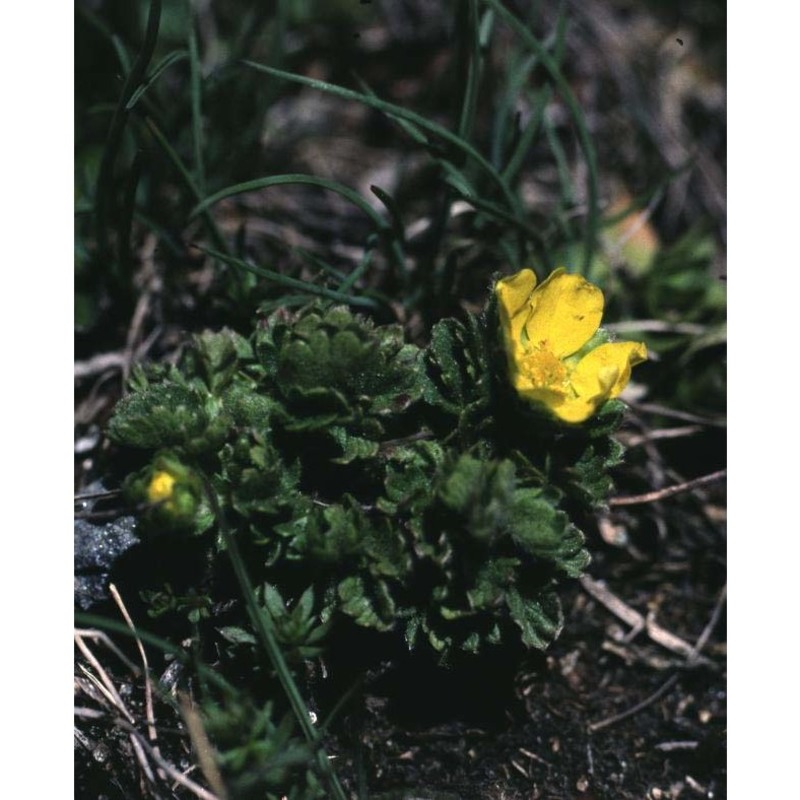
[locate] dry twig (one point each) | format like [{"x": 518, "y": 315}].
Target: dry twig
[
  {"x": 668, "y": 491},
  {"x": 148, "y": 688},
  {"x": 657, "y": 694},
  {"x": 202, "y": 747},
  {"x": 665, "y": 411},
  {"x": 702, "y": 640},
  {"x": 663, "y": 433},
  {"x": 638, "y": 622},
  {"x": 693, "y": 656}
]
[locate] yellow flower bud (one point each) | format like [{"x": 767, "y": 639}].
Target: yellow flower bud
[{"x": 161, "y": 486}]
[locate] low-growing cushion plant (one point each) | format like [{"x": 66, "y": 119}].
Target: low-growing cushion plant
[{"x": 432, "y": 492}]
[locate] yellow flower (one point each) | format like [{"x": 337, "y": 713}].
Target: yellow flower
[
  {"x": 546, "y": 330},
  {"x": 160, "y": 488}
]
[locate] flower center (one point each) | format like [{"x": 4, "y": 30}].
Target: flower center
[{"x": 544, "y": 369}]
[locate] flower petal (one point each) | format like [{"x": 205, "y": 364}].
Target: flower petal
[
  {"x": 574, "y": 409},
  {"x": 548, "y": 395},
  {"x": 605, "y": 371},
  {"x": 513, "y": 296},
  {"x": 565, "y": 312}
]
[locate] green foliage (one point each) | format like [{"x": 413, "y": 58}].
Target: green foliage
[
  {"x": 332, "y": 367},
  {"x": 488, "y": 551},
  {"x": 163, "y": 601},
  {"x": 181, "y": 505},
  {"x": 404, "y": 489},
  {"x": 259, "y": 757},
  {"x": 159, "y": 416},
  {"x": 458, "y": 375},
  {"x": 298, "y": 631}
]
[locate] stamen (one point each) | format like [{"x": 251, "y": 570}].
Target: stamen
[{"x": 544, "y": 369}]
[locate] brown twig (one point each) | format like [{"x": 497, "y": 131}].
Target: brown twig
[
  {"x": 670, "y": 747},
  {"x": 659, "y": 693},
  {"x": 105, "y": 685},
  {"x": 168, "y": 768},
  {"x": 635, "y": 440},
  {"x": 91, "y": 633},
  {"x": 148, "y": 688},
  {"x": 668, "y": 491},
  {"x": 693, "y": 658},
  {"x": 150, "y": 291},
  {"x": 202, "y": 746},
  {"x": 99, "y": 363},
  {"x": 101, "y": 679},
  {"x": 661, "y": 636},
  {"x": 702, "y": 640},
  {"x": 96, "y": 495},
  {"x": 664, "y": 411},
  {"x": 113, "y": 361}
]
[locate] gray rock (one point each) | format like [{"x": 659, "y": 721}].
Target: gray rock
[{"x": 97, "y": 547}]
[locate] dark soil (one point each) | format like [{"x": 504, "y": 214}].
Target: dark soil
[{"x": 600, "y": 715}]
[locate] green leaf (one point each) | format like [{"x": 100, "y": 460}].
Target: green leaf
[
  {"x": 539, "y": 618},
  {"x": 481, "y": 492},
  {"x": 163, "y": 415},
  {"x": 543, "y": 531},
  {"x": 216, "y": 357},
  {"x": 353, "y": 447},
  {"x": 590, "y": 477},
  {"x": 367, "y": 609},
  {"x": 236, "y": 635},
  {"x": 492, "y": 582},
  {"x": 410, "y": 472},
  {"x": 457, "y": 371}
]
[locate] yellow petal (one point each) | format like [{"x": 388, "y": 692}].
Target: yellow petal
[
  {"x": 513, "y": 296},
  {"x": 574, "y": 409},
  {"x": 566, "y": 408},
  {"x": 548, "y": 396},
  {"x": 605, "y": 371},
  {"x": 565, "y": 312}
]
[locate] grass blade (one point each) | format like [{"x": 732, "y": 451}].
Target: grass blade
[
  {"x": 472, "y": 82},
  {"x": 97, "y": 23},
  {"x": 394, "y": 212},
  {"x": 276, "y": 180},
  {"x": 105, "y": 191},
  {"x": 262, "y": 623},
  {"x": 567, "y": 189},
  {"x": 397, "y": 112},
  {"x": 580, "y": 124},
  {"x": 197, "y": 115},
  {"x": 171, "y": 58},
  {"x": 95, "y": 621},
  {"x": 214, "y": 231},
  {"x": 126, "y": 215},
  {"x": 540, "y": 101},
  {"x": 384, "y": 228},
  {"x": 362, "y": 267},
  {"x": 288, "y": 282}
]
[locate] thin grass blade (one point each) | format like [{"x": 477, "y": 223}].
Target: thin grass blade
[
  {"x": 397, "y": 112},
  {"x": 174, "y": 57},
  {"x": 580, "y": 124},
  {"x": 288, "y": 282}
]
